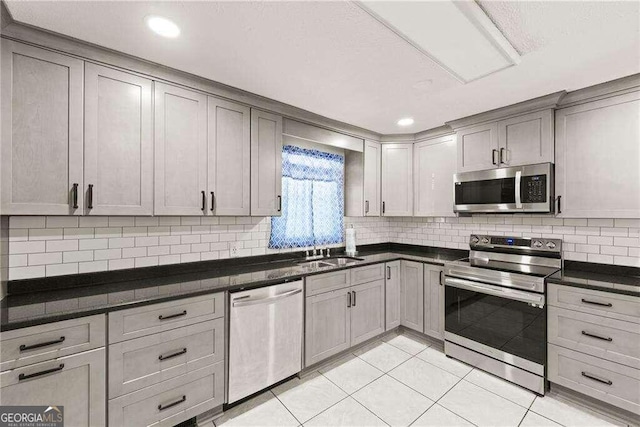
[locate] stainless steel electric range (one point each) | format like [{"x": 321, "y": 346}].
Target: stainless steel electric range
[{"x": 495, "y": 313}]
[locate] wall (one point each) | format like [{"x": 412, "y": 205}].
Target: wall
[
  {"x": 42, "y": 246},
  {"x": 604, "y": 241}
]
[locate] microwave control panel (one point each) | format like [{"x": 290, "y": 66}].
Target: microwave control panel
[{"x": 534, "y": 189}]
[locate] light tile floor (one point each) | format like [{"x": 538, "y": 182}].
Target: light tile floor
[{"x": 401, "y": 381}]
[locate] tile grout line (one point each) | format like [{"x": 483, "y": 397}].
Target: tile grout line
[{"x": 285, "y": 407}]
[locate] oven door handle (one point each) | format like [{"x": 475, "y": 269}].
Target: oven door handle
[
  {"x": 498, "y": 291},
  {"x": 518, "y": 182}
]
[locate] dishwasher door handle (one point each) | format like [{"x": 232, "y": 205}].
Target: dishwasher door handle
[{"x": 267, "y": 300}]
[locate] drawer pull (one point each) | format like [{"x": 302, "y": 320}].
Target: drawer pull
[
  {"x": 172, "y": 316},
  {"x": 172, "y": 404},
  {"x": 596, "y": 378},
  {"x": 42, "y": 344},
  {"x": 602, "y": 304},
  {"x": 176, "y": 354},
  {"x": 23, "y": 377},
  {"x": 585, "y": 333}
]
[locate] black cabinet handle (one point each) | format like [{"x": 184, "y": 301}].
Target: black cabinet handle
[
  {"x": 23, "y": 377},
  {"x": 559, "y": 207},
  {"x": 596, "y": 378},
  {"x": 74, "y": 195},
  {"x": 213, "y": 201},
  {"x": 90, "y": 197},
  {"x": 601, "y": 304},
  {"x": 354, "y": 298},
  {"x": 24, "y": 347},
  {"x": 501, "y": 155},
  {"x": 279, "y": 203},
  {"x": 388, "y": 272},
  {"x": 383, "y": 207},
  {"x": 172, "y": 316},
  {"x": 441, "y": 271},
  {"x": 172, "y": 404},
  {"x": 348, "y": 299},
  {"x": 493, "y": 156},
  {"x": 172, "y": 355},
  {"x": 366, "y": 206},
  {"x": 204, "y": 201},
  {"x": 587, "y": 334}
]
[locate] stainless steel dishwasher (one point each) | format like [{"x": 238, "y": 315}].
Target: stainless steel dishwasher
[{"x": 265, "y": 337}]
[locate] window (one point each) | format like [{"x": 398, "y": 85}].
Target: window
[{"x": 312, "y": 199}]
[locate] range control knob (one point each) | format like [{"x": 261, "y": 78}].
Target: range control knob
[
  {"x": 537, "y": 244},
  {"x": 485, "y": 241},
  {"x": 474, "y": 239},
  {"x": 551, "y": 245}
]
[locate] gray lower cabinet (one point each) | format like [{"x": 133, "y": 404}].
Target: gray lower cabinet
[
  {"x": 392, "y": 295},
  {"x": 367, "y": 311},
  {"x": 76, "y": 382},
  {"x": 412, "y": 295},
  {"x": 327, "y": 325},
  {"x": 433, "y": 302}
]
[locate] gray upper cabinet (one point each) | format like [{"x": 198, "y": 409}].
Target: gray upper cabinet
[
  {"x": 597, "y": 150},
  {"x": 397, "y": 179},
  {"x": 266, "y": 164},
  {"x": 42, "y": 147},
  {"x": 526, "y": 139},
  {"x": 118, "y": 142},
  {"x": 367, "y": 311},
  {"x": 229, "y": 145},
  {"x": 412, "y": 295},
  {"x": 477, "y": 147},
  {"x": 372, "y": 179},
  {"x": 514, "y": 141},
  {"x": 180, "y": 151},
  {"x": 327, "y": 325},
  {"x": 392, "y": 295},
  {"x": 434, "y": 167},
  {"x": 433, "y": 302}
]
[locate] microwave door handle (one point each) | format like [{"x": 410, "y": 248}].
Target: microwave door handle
[{"x": 518, "y": 182}]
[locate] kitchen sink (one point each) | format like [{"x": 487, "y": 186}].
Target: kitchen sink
[{"x": 338, "y": 261}]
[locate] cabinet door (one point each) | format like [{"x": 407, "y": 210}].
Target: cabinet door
[
  {"x": 433, "y": 302},
  {"x": 118, "y": 142},
  {"x": 372, "y": 173},
  {"x": 412, "y": 295},
  {"x": 327, "y": 326},
  {"x": 76, "y": 382},
  {"x": 181, "y": 151},
  {"x": 478, "y": 147},
  {"x": 229, "y": 158},
  {"x": 526, "y": 139},
  {"x": 266, "y": 164},
  {"x": 598, "y": 158},
  {"x": 397, "y": 179},
  {"x": 367, "y": 311},
  {"x": 435, "y": 165},
  {"x": 41, "y": 131},
  {"x": 392, "y": 295}
]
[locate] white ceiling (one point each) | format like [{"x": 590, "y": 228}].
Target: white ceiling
[{"x": 334, "y": 59}]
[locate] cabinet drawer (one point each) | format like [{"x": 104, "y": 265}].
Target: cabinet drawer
[
  {"x": 327, "y": 282},
  {"x": 150, "y": 319},
  {"x": 610, "y": 382},
  {"x": 608, "y": 304},
  {"x": 367, "y": 274},
  {"x": 172, "y": 401},
  {"x": 35, "y": 344},
  {"x": 76, "y": 382},
  {"x": 598, "y": 336},
  {"x": 146, "y": 361}
]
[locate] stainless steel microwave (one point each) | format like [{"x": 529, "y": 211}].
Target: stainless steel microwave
[{"x": 514, "y": 189}]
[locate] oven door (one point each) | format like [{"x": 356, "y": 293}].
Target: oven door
[
  {"x": 508, "y": 320},
  {"x": 513, "y": 189}
]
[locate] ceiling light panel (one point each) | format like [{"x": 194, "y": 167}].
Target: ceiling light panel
[{"x": 457, "y": 35}]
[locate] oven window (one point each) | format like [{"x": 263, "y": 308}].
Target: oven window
[
  {"x": 490, "y": 191},
  {"x": 511, "y": 326}
]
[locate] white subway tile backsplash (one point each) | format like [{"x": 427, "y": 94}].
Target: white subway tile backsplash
[
  {"x": 107, "y": 254},
  {"x": 45, "y": 258},
  {"x": 121, "y": 221},
  {"x": 158, "y": 250},
  {"x": 61, "y": 269},
  {"x": 122, "y": 242},
  {"x": 93, "y": 221},
  {"x": 89, "y": 267},
  {"x": 134, "y": 252},
  {"x": 93, "y": 244},
  {"x": 27, "y": 222},
  {"x": 19, "y": 260},
  {"x": 121, "y": 264},
  {"x": 78, "y": 233},
  {"x": 17, "y": 273},
  {"x": 45, "y": 233},
  {"x": 61, "y": 221},
  {"x": 26, "y": 247},
  {"x": 77, "y": 256},
  {"x": 599, "y": 222},
  {"x": 626, "y": 241}
]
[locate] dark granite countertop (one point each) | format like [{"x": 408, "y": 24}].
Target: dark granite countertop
[
  {"x": 37, "y": 301},
  {"x": 610, "y": 278}
]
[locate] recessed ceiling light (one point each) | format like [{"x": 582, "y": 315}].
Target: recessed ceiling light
[
  {"x": 163, "y": 26},
  {"x": 407, "y": 121}
]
